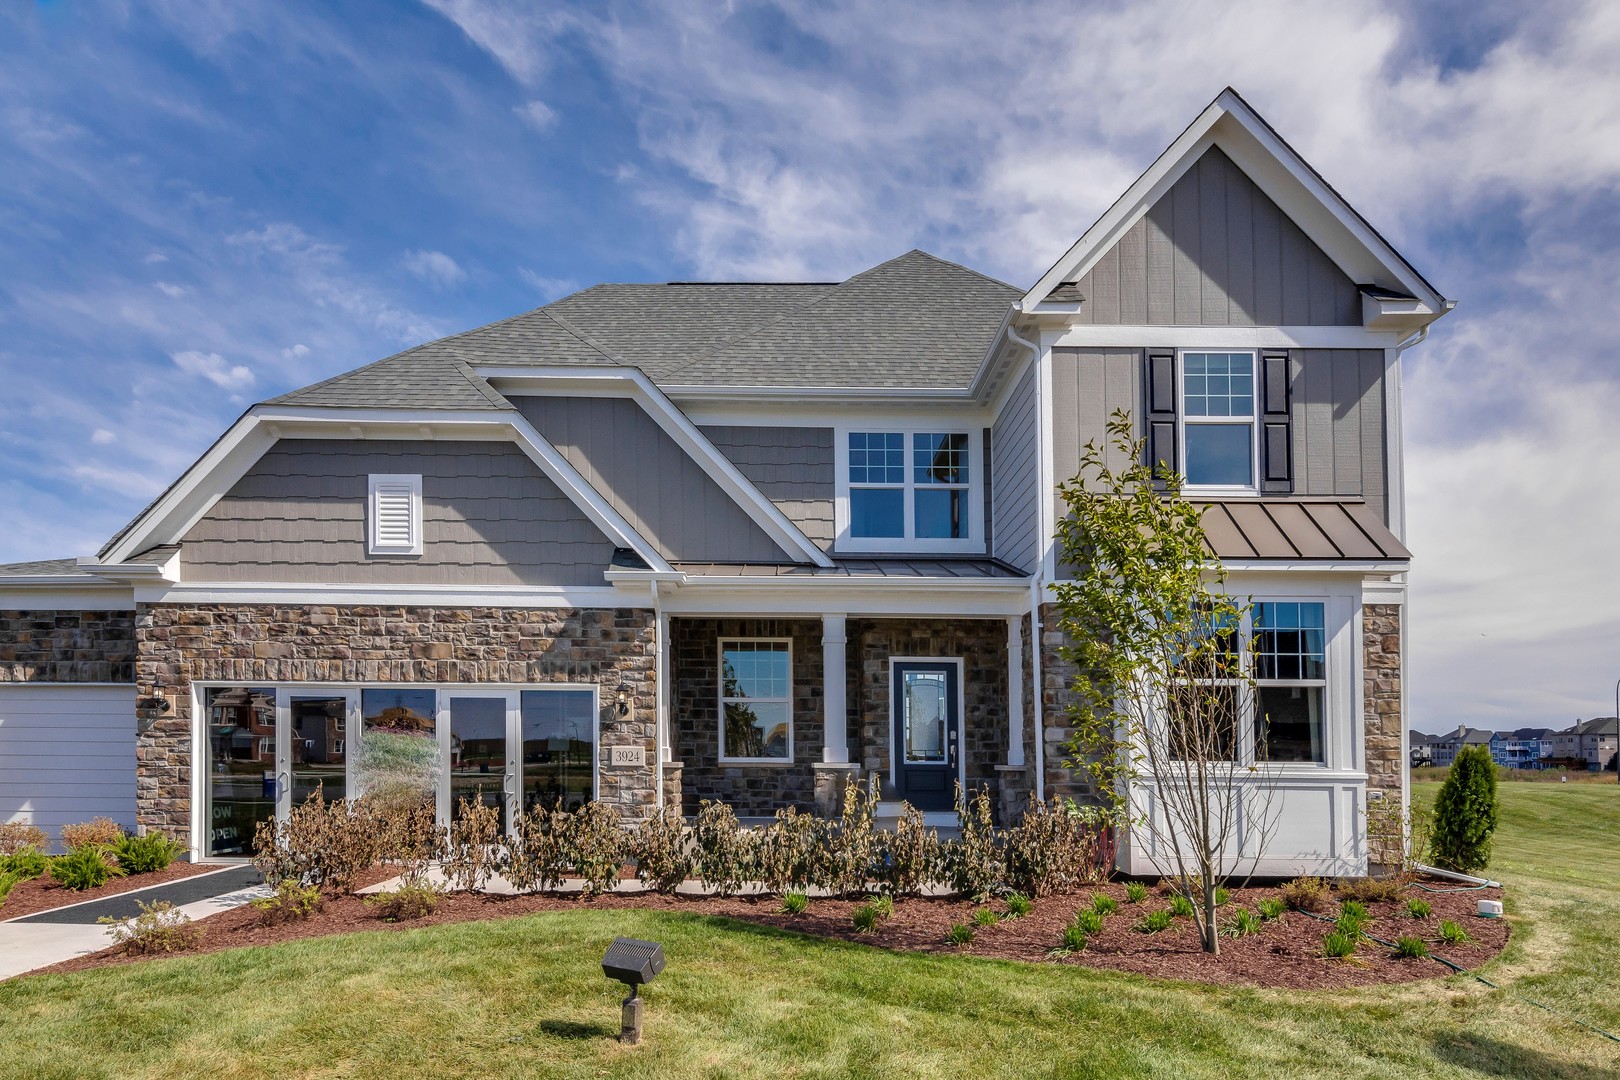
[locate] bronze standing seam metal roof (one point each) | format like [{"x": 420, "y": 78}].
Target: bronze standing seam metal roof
[{"x": 1327, "y": 529}]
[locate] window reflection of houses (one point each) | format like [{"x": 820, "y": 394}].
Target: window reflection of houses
[
  {"x": 318, "y": 731},
  {"x": 242, "y": 726}
]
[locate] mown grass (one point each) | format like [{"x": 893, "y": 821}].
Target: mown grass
[{"x": 525, "y": 997}]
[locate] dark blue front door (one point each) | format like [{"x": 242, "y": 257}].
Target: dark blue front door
[{"x": 926, "y": 707}]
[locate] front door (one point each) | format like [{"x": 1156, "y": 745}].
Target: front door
[
  {"x": 479, "y": 727},
  {"x": 927, "y": 696}
]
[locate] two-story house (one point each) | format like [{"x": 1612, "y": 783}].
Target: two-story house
[{"x": 661, "y": 543}]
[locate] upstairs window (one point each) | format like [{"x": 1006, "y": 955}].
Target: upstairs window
[
  {"x": 394, "y": 514},
  {"x": 909, "y": 486},
  {"x": 1218, "y": 419}
]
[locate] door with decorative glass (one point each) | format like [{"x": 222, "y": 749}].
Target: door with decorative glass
[{"x": 927, "y": 697}]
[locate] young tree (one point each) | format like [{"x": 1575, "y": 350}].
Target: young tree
[
  {"x": 1465, "y": 812},
  {"x": 1161, "y": 700}
]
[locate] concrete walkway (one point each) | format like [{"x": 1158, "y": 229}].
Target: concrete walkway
[{"x": 49, "y": 937}]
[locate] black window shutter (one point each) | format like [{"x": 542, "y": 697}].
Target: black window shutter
[
  {"x": 1276, "y": 433},
  {"x": 1161, "y": 410}
]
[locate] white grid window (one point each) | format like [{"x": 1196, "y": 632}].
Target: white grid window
[
  {"x": 756, "y": 700},
  {"x": 909, "y": 485},
  {"x": 1218, "y": 422},
  {"x": 1289, "y": 647}
]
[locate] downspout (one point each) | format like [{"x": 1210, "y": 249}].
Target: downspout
[
  {"x": 1399, "y": 435},
  {"x": 1038, "y": 717},
  {"x": 660, "y": 706}
]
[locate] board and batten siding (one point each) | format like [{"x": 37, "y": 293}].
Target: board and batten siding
[
  {"x": 664, "y": 494},
  {"x": 67, "y": 754},
  {"x": 489, "y": 517},
  {"x": 1216, "y": 251},
  {"x": 791, "y": 466},
  {"x": 1015, "y": 478}
]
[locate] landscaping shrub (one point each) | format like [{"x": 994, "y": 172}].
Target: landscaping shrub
[
  {"x": 959, "y": 934},
  {"x": 1339, "y": 944},
  {"x": 795, "y": 903},
  {"x": 290, "y": 901},
  {"x": 851, "y": 847},
  {"x": 883, "y": 905},
  {"x": 323, "y": 843},
  {"x": 1355, "y": 909},
  {"x": 866, "y": 918},
  {"x": 1222, "y": 896},
  {"x": 1103, "y": 904},
  {"x": 985, "y": 917},
  {"x": 1452, "y": 932},
  {"x": 536, "y": 851},
  {"x": 87, "y": 866},
  {"x": 722, "y": 850},
  {"x": 1306, "y": 894},
  {"x": 408, "y": 834},
  {"x": 1369, "y": 890},
  {"x": 27, "y": 862},
  {"x": 909, "y": 857},
  {"x": 1074, "y": 939},
  {"x": 472, "y": 852},
  {"x": 159, "y": 928},
  {"x": 1408, "y": 947},
  {"x": 1418, "y": 909},
  {"x": 662, "y": 850},
  {"x": 1135, "y": 892},
  {"x": 97, "y": 831},
  {"x": 1465, "y": 812},
  {"x": 1053, "y": 849},
  {"x": 789, "y": 851},
  {"x": 146, "y": 854},
  {"x": 8, "y": 881},
  {"x": 1155, "y": 921},
  {"x": 1244, "y": 922},
  {"x": 415, "y": 897},
  {"x": 1019, "y": 905},
  {"x": 16, "y": 835},
  {"x": 973, "y": 862},
  {"x": 595, "y": 846},
  {"x": 1271, "y": 909},
  {"x": 1181, "y": 906},
  {"x": 1089, "y": 921},
  {"x": 1350, "y": 923}
]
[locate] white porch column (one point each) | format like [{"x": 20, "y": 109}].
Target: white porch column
[
  {"x": 1015, "y": 690},
  {"x": 661, "y": 674},
  {"x": 835, "y": 736}
]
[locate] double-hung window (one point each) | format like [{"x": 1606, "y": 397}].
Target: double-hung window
[
  {"x": 1290, "y": 674},
  {"x": 1218, "y": 419},
  {"x": 756, "y": 700},
  {"x": 909, "y": 486}
]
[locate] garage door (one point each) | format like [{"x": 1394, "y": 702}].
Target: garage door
[{"x": 67, "y": 753}]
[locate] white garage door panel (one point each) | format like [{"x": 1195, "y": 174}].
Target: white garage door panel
[{"x": 67, "y": 754}]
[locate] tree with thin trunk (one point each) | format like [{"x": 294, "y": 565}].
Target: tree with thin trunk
[{"x": 1162, "y": 708}]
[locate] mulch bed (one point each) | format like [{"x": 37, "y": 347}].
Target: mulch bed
[
  {"x": 42, "y": 894},
  {"x": 1284, "y": 954}
]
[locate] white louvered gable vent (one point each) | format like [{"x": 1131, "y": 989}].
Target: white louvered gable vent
[{"x": 395, "y": 514}]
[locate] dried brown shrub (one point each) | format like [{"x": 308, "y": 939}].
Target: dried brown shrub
[
  {"x": 100, "y": 831},
  {"x": 15, "y": 835},
  {"x": 662, "y": 850},
  {"x": 908, "y": 858},
  {"x": 474, "y": 853},
  {"x": 1306, "y": 894}
]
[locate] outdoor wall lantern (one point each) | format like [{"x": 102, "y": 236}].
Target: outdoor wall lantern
[
  {"x": 149, "y": 710},
  {"x": 624, "y": 699},
  {"x": 634, "y": 963}
]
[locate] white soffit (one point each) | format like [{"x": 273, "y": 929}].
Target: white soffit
[{"x": 1320, "y": 212}]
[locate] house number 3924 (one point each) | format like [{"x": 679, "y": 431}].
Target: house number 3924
[{"x": 626, "y": 755}]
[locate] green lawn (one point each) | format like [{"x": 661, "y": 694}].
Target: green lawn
[{"x": 524, "y": 997}]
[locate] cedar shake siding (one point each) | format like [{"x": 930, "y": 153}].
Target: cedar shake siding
[
  {"x": 648, "y": 478},
  {"x": 489, "y": 517},
  {"x": 1215, "y": 251},
  {"x": 791, "y": 466}
]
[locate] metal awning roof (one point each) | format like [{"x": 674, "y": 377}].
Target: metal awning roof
[{"x": 1294, "y": 529}]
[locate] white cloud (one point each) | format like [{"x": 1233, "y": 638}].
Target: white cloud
[
  {"x": 538, "y": 115},
  {"x": 435, "y": 267},
  {"x": 173, "y": 292},
  {"x": 518, "y": 35},
  {"x": 213, "y": 367},
  {"x": 155, "y": 258},
  {"x": 102, "y": 437},
  {"x": 549, "y": 288},
  {"x": 295, "y": 352}
]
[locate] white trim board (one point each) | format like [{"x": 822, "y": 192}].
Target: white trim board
[
  {"x": 281, "y": 592},
  {"x": 1217, "y": 338}
]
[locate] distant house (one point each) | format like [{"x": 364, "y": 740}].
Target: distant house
[
  {"x": 1588, "y": 744},
  {"x": 1519, "y": 749},
  {"x": 1445, "y": 748},
  {"x": 1421, "y": 748}
]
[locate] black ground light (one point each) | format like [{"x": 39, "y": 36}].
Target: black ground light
[{"x": 633, "y": 963}]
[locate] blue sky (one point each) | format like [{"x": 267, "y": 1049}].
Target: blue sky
[{"x": 205, "y": 204}]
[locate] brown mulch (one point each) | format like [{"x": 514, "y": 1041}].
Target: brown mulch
[
  {"x": 1285, "y": 954},
  {"x": 42, "y": 894}
]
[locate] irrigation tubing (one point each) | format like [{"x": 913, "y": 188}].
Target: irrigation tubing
[{"x": 1464, "y": 971}]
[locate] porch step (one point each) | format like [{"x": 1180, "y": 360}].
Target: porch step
[{"x": 888, "y": 812}]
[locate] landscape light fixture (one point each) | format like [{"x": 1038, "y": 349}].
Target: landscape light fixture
[
  {"x": 634, "y": 963},
  {"x": 624, "y": 699}
]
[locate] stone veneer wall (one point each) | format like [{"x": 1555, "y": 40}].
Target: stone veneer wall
[
  {"x": 1381, "y": 697},
  {"x": 752, "y": 790},
  {"x": 1056, "y": 675},
  {"x": 256, "y": 644},
  {"x": 67, "y": 647},
  {"x": 982, "y": 646}
]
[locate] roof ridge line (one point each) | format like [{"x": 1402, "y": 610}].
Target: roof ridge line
[
  {"x": 762, "y": 327},
  {"x": 586, "y": 338},
  {"x": 965, "y": 268}
]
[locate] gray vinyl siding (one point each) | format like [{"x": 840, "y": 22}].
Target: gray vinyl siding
[
  {"x": 489, "y": 517},
  {"x": 1216, "y": 251},
  {"x": 1087, "y": 386},
  {"x": 1338, "y": 417},
  {"x": 650, "y": 480},
  {"x": 791, "y": 466},
  {"x": 1015, "y": 477}
]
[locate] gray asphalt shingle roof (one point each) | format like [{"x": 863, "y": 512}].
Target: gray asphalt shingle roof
[
  {"x": 914, "y": 321},
  {"x": 42, "y": 568}
]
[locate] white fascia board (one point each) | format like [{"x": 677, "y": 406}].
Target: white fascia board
[
  {"x": 1225, "y": 337},
  {"x": 1277, "y": 170},
  {"x": 818, "y": 596},
  {"x": 849, "y": 394},
  {"x": 788, "y": 536},
  {"x": 281, "y": 592},
  {"x": 44, "y": 593},
  {"x": 616, "y": 576}
]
